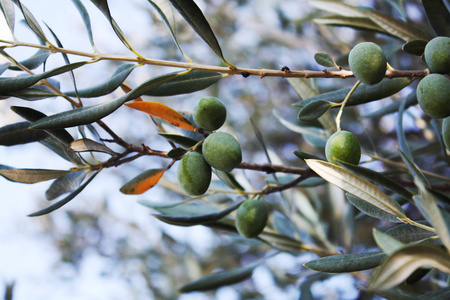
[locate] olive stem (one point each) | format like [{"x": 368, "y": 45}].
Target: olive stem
[{"x": 341, "y": 110}]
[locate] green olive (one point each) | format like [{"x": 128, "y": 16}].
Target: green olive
[
  {"x": 368, "y": 62},
  {"x": 194, "y": 174},
  {"x": 222, "y": 151},
  {"x": 344, "y": 146},
  {"x": 437, "y": 54},
  {"x": 433, "y": 95},
  {"x": 251, "y": 218},
  {"x": 209, "y": 113}
]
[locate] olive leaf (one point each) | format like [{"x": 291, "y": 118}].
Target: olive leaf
[
  {"x": 31, "y": 21},
  {"x": 84, "y": 145},
  {"x": 386, "y": 242},
  {"x": 7, "y": 8},
  {"x": 65, "y": 184},
  {"x": 143, "y": 182},
  {"x": 314, "y": 110},
  {"x": 353, "y": 22},
  {"x": 403, "y": 262},
  {"x": 18, "y": 133},
  {"x": 407, "y": 233},
  {"x": 324, "y": 59},
  {"x": 370, "y": 209},
  {"x": 415, "y": 47},
  {"x": 181, "y": 140},
  {"x": 86, "y": 20},
  {"x": 345, "y": 263},
  {"x": 438, "y": 16},
  {"x": 33, "y": 61},
  {"x": 31, "y": 175}
]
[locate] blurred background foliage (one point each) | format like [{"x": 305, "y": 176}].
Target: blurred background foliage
[{"x": 109, "y": 239}]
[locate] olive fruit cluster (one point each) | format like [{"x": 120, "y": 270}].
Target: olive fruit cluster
[
  {"x": 368, "y": 62},
  {"x": 433, "y": 91},
  {"x": 343, "y": 146},
  {"x": 220, "y": 150},
  {"x": 251, "y": 218}
]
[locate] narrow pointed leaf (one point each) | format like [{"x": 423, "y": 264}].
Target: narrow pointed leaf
[
  {"x": 181, "y": 140},
  {"x": 33, "y": 94},
  {"x": 198, "y": 219},
  {"x": 143, "y": 182},
  {"x": 415, "y": 47},
  {"x": 347, "y": 262},
  {"x": 229, "y": 179},
  {"x": 31, "y": 175},
  {"x": 411, "y": 100},
  {"x": 401, "y": 136},
  {"x": 64, "y": 201},
  {"x": 438, "y": 16},
  {"x": 31, "y": 20},
  {"x": 314, "y": 110},
  {"x": 414, "y": 170},
  {"x": 84, "y": 145},
  {"x": 7, "y": 8},
  {"x": 13, "y": 84},
  {"x": 33, "y": 115},
  {"x": 62, "y": 149},
  {"x": 176, "y": 152},
  {"x": 386, "y": 242},
  {"x": 195, "y": 18},
  {"x": 193, "y": 81},
  {"x": 337, "y": 7},
  {"x": 304, "y": 155},
  {"x": 356, "y": 186},
  {"x": 108, "y": 86},
  {"x": 86, "y": 20},
  {"x": 396, "y": 27},
  {"x": 216, "y": 280},
  {"x": 165, "y": 10},
  {"x": 363, "y": 93},
  {"x": 407, "y": 233},
  {"x": 34, "y": 61},
  {"x": 102, "y": 5},
  {"x": 324, "y": 59},
  {"x": 353, "y": 22},
  {"x": 18, "y": 133},
  {"x": 370, "y": 209},
  {"x": 4, "y": 66},
  {"x": 164, "y": 112},
  {"x": 65, "y": 184},
  {"x": 302, "y": 87},
  {"x": 378, "y": 178},
  {"x": 441, "y": 294},
  {"x": 90, "y": 114},
  {"x": 402, "y": 263},
  {"x": 399, "y": 7}
]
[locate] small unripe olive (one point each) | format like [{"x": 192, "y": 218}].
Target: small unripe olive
[
  {"x": 437, "y": 54},
  {"x": 222, "y": 151},
  {"x": 251, "y": 218},
  {"x": 368, "y": 62},
  {"x": 446, "y": 132},
  {"x": 344, "y": 146},
  {"x": 194, "y": 174},
  {"x": 209, "y": 113},
  {"x": 433, "y": 95}
]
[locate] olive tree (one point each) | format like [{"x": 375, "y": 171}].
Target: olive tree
[{"x": 347, "y": 177}]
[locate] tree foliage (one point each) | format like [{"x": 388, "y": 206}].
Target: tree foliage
[{"x": 400, "y": 188}]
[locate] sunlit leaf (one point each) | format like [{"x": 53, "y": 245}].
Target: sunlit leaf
[
  {"x": 164, "y": 112},
  {"x": 401, "y": 29},
  {"x": 31, "y": 175},
  {"x": 195, "y": 18},
  {"x": 353, "y": 22},
  {"x": 347, "y": 262},
  {"x": 143, "y": 182},
  {"x": 314, "y": 110},
  {"x": 378, "y": 178},
  {"x": 193, "y": 81},
  {"x": 90, "y": 114},
  {"x": 216, "y": 280},
  {"x": 324, "y": 59},
  {"x": 7, "y": 8},
  {"x": 370, "y": 209},
  {"x": 107, "y": 86},
  {"x": 34, "y": 61},
  {"x": 84, "y": 145},
  {"x": 356, "y": 186},
  {"x": 18, "y": 133},
  {"x": 337, "y": 7},
  {"x": 65, "y": 184},
  {"x": 13, "y": 84},
  {"x": 363, "y": 93},
  {"x": 386, "y": 242},
  {"x": 86, "y": 20},
  {"x": 197, "y": 219},
  {"x": 402, "y": 263},
  {"x": 438, "y": 16},
  {"x": 399, "y": 7},
  {"x": 66, "y": 200}
]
